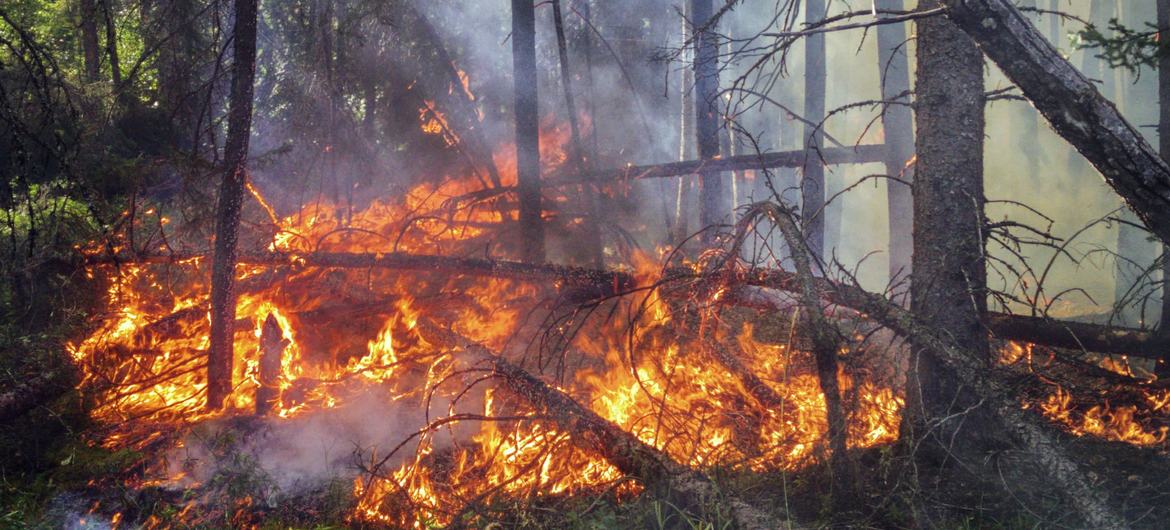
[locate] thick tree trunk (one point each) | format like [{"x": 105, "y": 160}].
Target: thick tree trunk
[
  {"x": 713, "y": 203},
  {"x": 527, "y": 130},
  {"x": 898, "y": 126},
  {"x": 231, "y": 196},
  {"x": 1074, "y": 107},
  {"x": 948, "y": 290},
  {"x": 89, "y": 40},
  {"x": 812, "y": 186}
]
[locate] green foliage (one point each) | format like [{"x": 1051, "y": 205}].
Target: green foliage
[{"x": 1123, "y": 47}]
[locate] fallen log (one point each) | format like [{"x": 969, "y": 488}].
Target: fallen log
[
  {"x": 661, "y": 475},
  {"x": 601, "y": 283},
  {"x": 861, "y": 154}
]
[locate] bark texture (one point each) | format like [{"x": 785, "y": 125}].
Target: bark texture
[
  {"x": 948, "y": 288},
  {"x": 1072, "y": 105},
  {"x": 527, "y": 129},
  {"x": 231, "y": 197}
]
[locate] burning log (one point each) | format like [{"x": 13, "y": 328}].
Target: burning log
[
  {"x": 272, "y": 345},
  {"x": 660, "y": 474}
]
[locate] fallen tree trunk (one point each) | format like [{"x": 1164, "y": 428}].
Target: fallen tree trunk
[
  {"x": 861, "y": 154},
  {"x": 661, "y": 475},
  {"x": 1075, "y": 108},
  {"x": 600, "y": 283}
]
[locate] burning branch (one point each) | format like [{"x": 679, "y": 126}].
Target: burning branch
[{"x": 664, "y": 477}]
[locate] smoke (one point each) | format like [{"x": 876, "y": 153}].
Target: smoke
[{"x": 287, "y": 457}]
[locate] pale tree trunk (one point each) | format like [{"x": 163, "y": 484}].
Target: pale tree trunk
[
  {"x": 712, "y": 207},
  {"x": 948, "y": 290},
  {"x": 812, "y": 186},
  {"x": 1072, "y": 105},
  {"x": 527, "y": 129},
  {"x": 89, "y": 40},
  {"x": 898, "y": 128},
  {"x": 231, "y": 196},
  {"x": 684, "y": 193}
]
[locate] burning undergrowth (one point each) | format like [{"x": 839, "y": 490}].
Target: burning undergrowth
[
  {"x": 374, "y": 379},
  {"x": 389, "y": 378}
]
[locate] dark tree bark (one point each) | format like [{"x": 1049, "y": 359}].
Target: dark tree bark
[
  {"x": 812, "y": 186},
  {"x": 898, "y": 126},
  {"x": 231, "y": 197},
  {"x": 713, "y": 207},
  {"x": 112, "y": 43},
  {"x": 1072, "y": 105},
  {"x": 948, "y": 287},
  {"x": 89, "y": 40},
  {"x": 527, "y": 129}
]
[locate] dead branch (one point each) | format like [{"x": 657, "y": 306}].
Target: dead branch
[{"x": 660, "y": 474}]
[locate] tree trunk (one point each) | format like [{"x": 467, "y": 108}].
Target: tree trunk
[
  {"x": 89, "y": 40},
  {"x": 812, "y": 186},
  {"x": 712, "y": 208},
  {"x": 527, "y": 129},
  {"x": 231, "y": 197},
  {"x": 948, "y": 288},
  {"x": 1074, "y": 107},
  {"x": 591, "y": 229},
  {"x": 898, "y": 126},
  {"x": 1163, "y": 22},
  {"x": 112, "y": 43}
]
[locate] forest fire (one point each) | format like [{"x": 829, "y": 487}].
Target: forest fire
[
  {"x": 314, "y": 264},
  {"x": 351, "y": 332}
]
